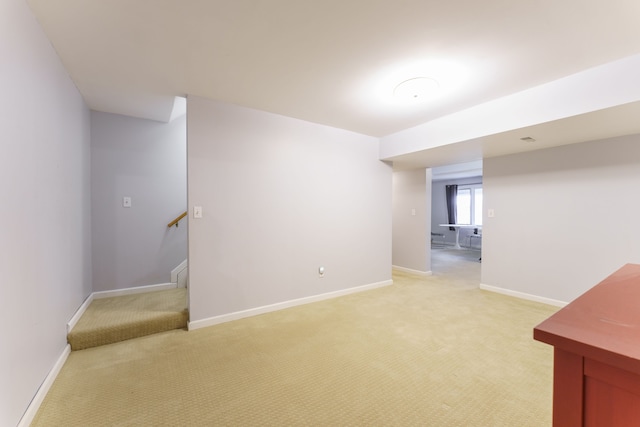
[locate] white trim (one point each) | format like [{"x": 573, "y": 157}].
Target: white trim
[
  {"x": 408, "y": 270},
  {"x": 131, "y": 291},
  {"x": 178, "y": 270},
  {"x": 76, "y": 317},
  {"x": 203, "y": 323},
  {"x": 183, "y": 279},
  {"x": 523, "y": 295},
  {"x": 34, "y": 405}
]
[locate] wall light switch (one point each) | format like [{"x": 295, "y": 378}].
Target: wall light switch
[
  {"x": 126, "y": 202},
  {"x": 197, "y": 211},
  {"x": 413, "y": 212},
  {"x": 491, "y": 213}
]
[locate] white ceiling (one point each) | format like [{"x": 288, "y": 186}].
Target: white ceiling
[{"x": 333, "y": 62}]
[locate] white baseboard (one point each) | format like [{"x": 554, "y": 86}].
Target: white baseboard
[
  {"x": 203, "y": 323},
  {"x": 176, "y": 271},
  {"x": 523, "y": 295},
  {"x": 410, "y": 271},
  {"x": 74, "y": 320},
  {"x": 131, "y": 291},
  {"x": 37, "y": 400}
]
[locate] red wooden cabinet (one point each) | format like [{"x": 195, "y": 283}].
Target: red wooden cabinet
[{"x": 596, "y": 341}]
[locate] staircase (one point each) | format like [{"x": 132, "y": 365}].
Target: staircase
[{"x": 114, "y": 319}]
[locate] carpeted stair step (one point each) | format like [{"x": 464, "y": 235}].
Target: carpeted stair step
[{"x": 114, "y": 319}]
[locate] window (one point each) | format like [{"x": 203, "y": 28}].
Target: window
[{"x": 469, "y": 205}]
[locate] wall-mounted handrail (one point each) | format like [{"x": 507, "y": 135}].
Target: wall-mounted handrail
[{"x": 178, "y": 218}]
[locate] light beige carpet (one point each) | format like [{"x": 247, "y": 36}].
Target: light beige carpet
[
  {"x": 427, "y": 351},
  {"x": 114, "y": 319}
]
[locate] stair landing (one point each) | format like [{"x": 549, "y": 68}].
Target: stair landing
[{"x": 114, "y": 319}]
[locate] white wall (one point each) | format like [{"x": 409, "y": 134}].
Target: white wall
[
  {"x": 145, "y": 160},
  {"x": 565, "y": 218},
  {"x": 439, "y": 209},
  {"x": 281, "y": 197},
  {"x": 45, "y": 210},
  {"x": 412, "y": 220}
]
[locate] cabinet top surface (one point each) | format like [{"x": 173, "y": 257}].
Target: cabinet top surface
[{"x": 606, "y": 318}]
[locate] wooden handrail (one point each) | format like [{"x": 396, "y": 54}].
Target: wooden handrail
[{"x": 178, "y": 218}]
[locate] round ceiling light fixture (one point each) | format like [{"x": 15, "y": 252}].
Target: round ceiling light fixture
[{"x": 416, "y": 89}]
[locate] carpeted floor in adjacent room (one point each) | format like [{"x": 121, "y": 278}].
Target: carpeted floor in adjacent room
[{"x": 427, "y": 351}]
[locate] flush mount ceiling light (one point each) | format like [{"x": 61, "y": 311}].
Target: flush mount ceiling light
[
  {"x": 392, "y": 90},
  {"x": 416, "y": 89}
]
